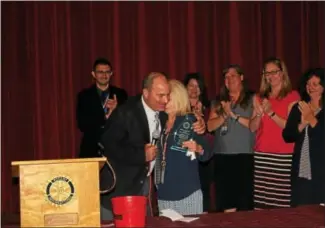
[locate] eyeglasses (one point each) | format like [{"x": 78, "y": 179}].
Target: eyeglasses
[
  {"x": 227, "y": 76},
  {"x": 104, "y": 72},
  {"x": 313, "y": 84},
  {"x": 271, "y": 73}
]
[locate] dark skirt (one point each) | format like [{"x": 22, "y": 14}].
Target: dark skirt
[
  {"x": 234, "y": 181},
  {"x": 272, "y": 180},
  {"x": 306, "y": 192}
]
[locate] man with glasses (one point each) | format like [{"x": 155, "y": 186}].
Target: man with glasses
[{"x": 95, "y": 105}]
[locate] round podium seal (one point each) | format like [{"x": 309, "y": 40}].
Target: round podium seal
[{"x": 60, "y": 190}]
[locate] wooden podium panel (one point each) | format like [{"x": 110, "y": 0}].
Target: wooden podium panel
[{"x": 59, "y": 193}]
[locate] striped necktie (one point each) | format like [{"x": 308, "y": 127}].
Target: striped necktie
[
  {"x": 157, "y": 124},
  {"x": 157, "y": 171},
  {"x": 155, "y": 135}
]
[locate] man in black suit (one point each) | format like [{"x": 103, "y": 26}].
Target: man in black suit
[
  {"x": 128, "y": 140},
  {"x": 95, "y": 105}
]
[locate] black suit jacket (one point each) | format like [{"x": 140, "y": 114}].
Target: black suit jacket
[
  {"x": 124, "y": 140},
  {"x": 91, "y": 117}
]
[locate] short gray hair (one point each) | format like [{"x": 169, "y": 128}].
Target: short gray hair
[{"x": 148, "y": 80}]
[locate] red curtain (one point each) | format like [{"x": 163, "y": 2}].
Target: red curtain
[{"x": 48, "y": 49}]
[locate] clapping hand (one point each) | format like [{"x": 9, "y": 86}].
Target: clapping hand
[
  {"x": 199, "y": 126},
  {"x": 306, "y": 112},
  {"x": 111, "y": 104},
  {"x": 198, "y": 108},
  {"x": 226, "y": 105},
  {"x": 258, "y": 107},
  {"x": 267, "y": 107}
]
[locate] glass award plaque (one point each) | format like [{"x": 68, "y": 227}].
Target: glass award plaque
[{"x": 184, "y": 132}]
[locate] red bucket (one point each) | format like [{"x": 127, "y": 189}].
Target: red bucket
[{"x": 129, "y": 211}]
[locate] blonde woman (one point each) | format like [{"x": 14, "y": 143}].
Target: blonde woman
[
  {"x": 180, "y": 148},
  {"x": 272, "y": 156}
]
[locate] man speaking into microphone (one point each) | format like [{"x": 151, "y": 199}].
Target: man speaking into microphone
[{"x": 130, "y": 140}]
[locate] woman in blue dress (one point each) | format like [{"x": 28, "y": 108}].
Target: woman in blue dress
[{"x": 180, "y": 149}]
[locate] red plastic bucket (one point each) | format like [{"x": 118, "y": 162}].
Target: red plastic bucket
[{"x": 129, "y": 211}]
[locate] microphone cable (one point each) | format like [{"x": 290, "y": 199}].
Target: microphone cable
[{"x": 110, "y": 167}]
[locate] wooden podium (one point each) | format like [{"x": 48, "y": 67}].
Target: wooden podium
[{"x": 59, "y": 193}]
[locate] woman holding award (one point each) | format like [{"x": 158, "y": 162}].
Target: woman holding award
[{"x": 180, "y": 148}]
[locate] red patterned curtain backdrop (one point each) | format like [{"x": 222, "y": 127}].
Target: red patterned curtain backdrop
[{"x": 48, "y": 49}]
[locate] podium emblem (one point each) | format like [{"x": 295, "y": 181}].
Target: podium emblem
[{"x": 60, "y": 191}]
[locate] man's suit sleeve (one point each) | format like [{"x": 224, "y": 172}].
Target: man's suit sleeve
[
  {"x": 203, "y": 141},
  {"x": 121, "y": 95},
  {"x": 85, "y": 120},
  {"x": 116, "y": 140},
  {"x": 124, "y": 96}
]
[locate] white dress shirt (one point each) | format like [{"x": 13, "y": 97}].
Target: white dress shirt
[{"x": 152, "y": 125}]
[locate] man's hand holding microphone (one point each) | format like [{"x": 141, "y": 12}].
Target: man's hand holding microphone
[
  {"x": 151, "y": 151},
  {"x": 151, "y": 148}
]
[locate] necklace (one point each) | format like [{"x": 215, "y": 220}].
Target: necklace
[
  {"x": 164, "y": 140},
  {"x": 163, "y": 161}
]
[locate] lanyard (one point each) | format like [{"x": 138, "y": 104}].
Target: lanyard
[{"x": 163, "y": 162}]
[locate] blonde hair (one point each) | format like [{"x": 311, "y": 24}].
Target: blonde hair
[
  {"x": 179, "y": 97},
  {"x": 265, "y": 87}
]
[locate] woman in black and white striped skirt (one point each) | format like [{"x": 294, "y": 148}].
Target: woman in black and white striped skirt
[{"x": 273, "y": 156}]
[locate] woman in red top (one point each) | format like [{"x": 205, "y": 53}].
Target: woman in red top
[{"x": 273, "y": 156}]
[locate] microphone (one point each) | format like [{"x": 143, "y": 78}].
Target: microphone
[{"x": 155, "y": 137}]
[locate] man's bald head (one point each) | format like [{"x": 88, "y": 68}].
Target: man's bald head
[
  {"x": 149, "y": 79},
  {"x": 156, "y": 91}
]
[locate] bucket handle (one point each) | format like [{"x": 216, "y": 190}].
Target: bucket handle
[
  {"x": 118, "y": 217},
  {"x": 112, "y": 170}
]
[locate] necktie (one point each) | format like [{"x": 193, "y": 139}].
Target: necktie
[
  {"x": 156, "y": 132},
  {"x": 155, "y": 135},
  {"x": 103, "y": 98}
]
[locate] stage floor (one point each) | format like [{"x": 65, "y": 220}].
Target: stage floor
[{"x": 305, "y": 216}]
